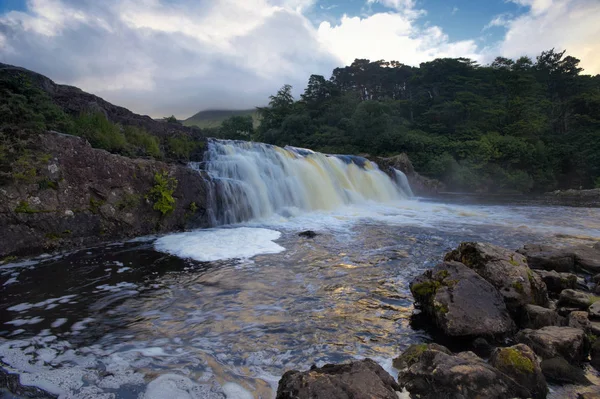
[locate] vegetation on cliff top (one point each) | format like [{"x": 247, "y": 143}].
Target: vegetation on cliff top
[
  {"x": 26, "y": 110},
  {"x": 515, "y": 125}
]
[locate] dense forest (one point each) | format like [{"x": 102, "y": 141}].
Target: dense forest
[{"x": 519, "y": 125}]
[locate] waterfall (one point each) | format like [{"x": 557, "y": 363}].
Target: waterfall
[
  {"x": 402, "y": 182},
  {"x": 255, "y": 180}
]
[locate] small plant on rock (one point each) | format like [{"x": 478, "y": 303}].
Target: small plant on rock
[{"x": 162, "y": 193}]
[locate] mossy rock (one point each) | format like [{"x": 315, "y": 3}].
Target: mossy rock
[
  {"x": 521, "y": 364},
  {"x": 413, "y": 353}
]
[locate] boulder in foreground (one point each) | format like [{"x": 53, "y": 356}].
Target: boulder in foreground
[
  {"x": 461, "y": 303},
  {"x": 504, "y": 269},
  {"x": 437, "y": 374},
  {"x": 361, "y": 379},
  {"x": 522, "y": 365}
]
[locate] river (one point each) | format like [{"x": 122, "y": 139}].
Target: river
[{"x": 224, "y": 312}]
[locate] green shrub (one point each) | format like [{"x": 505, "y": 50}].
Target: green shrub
[
  {"x": 141, "y": 142},
  {"x": 181, "y": 148},
  {"x": 24, "y": 207},
  {"x": 129, "y": 201},
  {"x": 162, "y": 193},
  {"x": 99, "y": 131},
  {"x": 95, "y": 205}
]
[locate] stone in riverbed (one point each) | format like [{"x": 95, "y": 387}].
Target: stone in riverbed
[
  {"x": 360, "y": 379},
  {"x": 460, "y": 302},
  {"x": 594, "y": 310},
  {"x": 556, "y": 282},
  {"x": 580, "y": 320},
  {"x": 413, "y": 353},
  {"x": 439, "y": 375},
  {"x": 537, "y": 317},
  {"x": 559, "y": 371},
  {"x": 521, "y": 364},
  {"x": 570, "y": 259},
  {"x": 308, "y": 234},
  {"x": 549, "y": 342},
  {"x": 504, "y": 269},
  {"x": 574, "y": 298}
]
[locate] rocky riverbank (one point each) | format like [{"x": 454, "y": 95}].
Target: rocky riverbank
[
  {"x": 515, "y": 321},
  {"x": 83, "y": 196},
  {"x": 589, "y": 198}
]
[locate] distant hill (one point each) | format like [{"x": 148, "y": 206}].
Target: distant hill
[{"x": 214, "y": 118}]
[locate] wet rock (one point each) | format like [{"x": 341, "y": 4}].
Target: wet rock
[
  {"x": 579, "y": 320},
  {"x": 559, "y": 371},
  {"x": 360, "y": 379},
  {"x": 11, "y": 383},
  {"x": 597, "y": 246},
  {"x": 570, "y": 259},
  {"x": 594, "y": 310},
  {"x": 589, "y": 393},
  {"x": 420, "y": 185},
  {"x": 595, "y": 354},
  {"x": 482, "y": 347},
  {"x": 504, "y": 269},
  {"x": 535, "y": 317},
  {"x": 308, "y": 234},
  {"x": 595, "y": 328},
  {"x": 413, "y": 353},
  {"x": 460, "y": 302},
  {"x": 565, "y": 312},
  {"x": 549, "y": 342},
  {"x": 439, "y": 375},
  {"x": 547, "y": 258},
  {"x": 557, "y": 282},
  {"x": 573, "y": 298},
  {"x": 521, "y": 364}
]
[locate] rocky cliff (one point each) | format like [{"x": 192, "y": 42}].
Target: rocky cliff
[{"x": 79, "y": 195}]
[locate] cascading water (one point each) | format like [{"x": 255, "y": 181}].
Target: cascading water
[
  {"x": 402, "y": 182},
  {"x": 255, "y": 180}
]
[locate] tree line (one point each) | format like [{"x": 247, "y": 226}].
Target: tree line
[{"x": 511, "y": 126}]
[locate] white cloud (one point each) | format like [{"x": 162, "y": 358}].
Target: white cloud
[
  {"x": 502, "y": 20},
  {"x": 390, "y": 36},
  {"x": 561, "y": 24},
  {"x": 179, "y": 56},
  {"x": 454, "y": 10}
]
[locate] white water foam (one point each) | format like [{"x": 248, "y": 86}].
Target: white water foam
[{"x": 220, "y": 244}]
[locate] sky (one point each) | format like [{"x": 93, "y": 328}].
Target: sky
[{"x": 163, "y": 57}]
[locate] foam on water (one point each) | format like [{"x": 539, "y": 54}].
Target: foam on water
[{"x": 220, "y": 244}]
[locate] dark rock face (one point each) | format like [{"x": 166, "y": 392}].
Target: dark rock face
[
  {"x": 504, "y": 269},
  {"x": 97, "y": 196},
  {"x": 461, "y": 303},
  {"x": 550, "y": 342},
  {"x": 419, "y": 184},
  {"x": 595, "y": 354},
  {"x": 522, "y": 365},
  {"x": 559, "y": 371},
  {"x": 439, "y": 375},
  {"x": 577, "y": 258},
  {"x": 361, "y": 379},
  {"x": 537, "y": 317},
  {"x": 573, "y": 298},
  {"x": 557, "y": 282}
]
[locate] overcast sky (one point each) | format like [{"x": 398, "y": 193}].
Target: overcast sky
[{"x": 163, "y": 57}]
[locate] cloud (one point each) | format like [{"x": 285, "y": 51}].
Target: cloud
[
  {"x": 390, "y": 36},
  {"x": 561, "y": 24},
  {"x": 179, "y": 56},
  {"x": 502, "y": 20},
  {"x": 454, "y": 10}
]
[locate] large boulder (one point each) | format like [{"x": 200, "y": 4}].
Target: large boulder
[
  {"x": 535, "y": 317},
  {"x": 521, "y": 364},
  {"x": 550, "y": 342},
  {"x": 557, "y": 282},
  {"x": 559, "y": 371},
  {"x": 576, "y": 299},
  {"x": 576, "y": 258},
  {"x": 360, "y": 379},
  {"x": 594, "y": 310},
  {"x": 460, "y": 302},
  {"x": 504, "y": 269},
  {"x": 579, "y": 319},
  {"x": 438, "y": 375}
]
